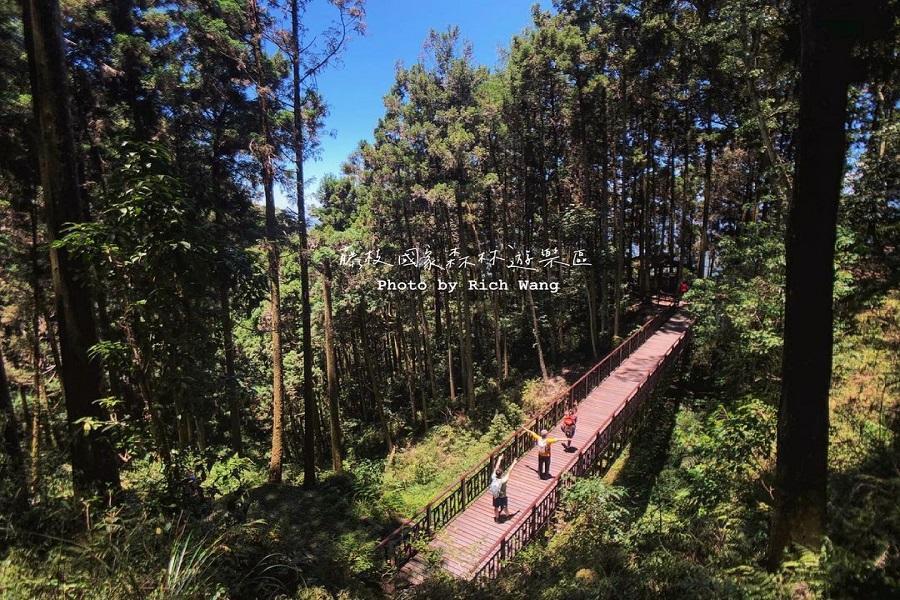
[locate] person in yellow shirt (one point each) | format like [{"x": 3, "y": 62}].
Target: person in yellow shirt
[{"x": 544, "y": 444}]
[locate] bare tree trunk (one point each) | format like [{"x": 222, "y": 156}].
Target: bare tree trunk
[
  {"x": 265, "y": 154},
  {"x": 225, "y": 321},
  {"x": 684, "y": 231},
  {"x": 157, "y": 426},
  {"x": 35, "y": 445},
  {"x": 40, "y": 391},
  {"x": 376, "y": 390},
  {"x": 331, "y": 374},
  {"x": 707, "y": 195},
  {"x": 620, "y": 257},
  {"x": 26, "y": 411},
  {"x": 801, "y": 470},
  {"x": 535, "y": 328},
  {"x": 592, "y": 313},
  {"x": 310, "y": 407},
  {"x": 600, "y": 271},
  {"x": 94, "y": 467},
  {"x": 16, "y": 462},
  {"x": 450, "y": 373},
  {"x": 498, "y": 329}
]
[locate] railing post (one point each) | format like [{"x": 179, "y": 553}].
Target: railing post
[
  {"x": 462, "y": 484},
  {"x": 429, "y": 524},
  {"x": 503, "y": 548}
]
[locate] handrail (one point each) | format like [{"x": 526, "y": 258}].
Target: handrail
[
  {"x": 602, "y": 446},
  {"x": 398, "y": 547}
]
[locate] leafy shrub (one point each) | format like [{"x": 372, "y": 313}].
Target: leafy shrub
[{"x": 232, "y": 474}]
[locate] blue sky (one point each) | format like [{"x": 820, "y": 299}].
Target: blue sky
[{"x": 395, "y": 32}]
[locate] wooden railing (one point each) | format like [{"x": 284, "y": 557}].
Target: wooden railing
[
  {"x": 595, "y": 458},
  {"x": 400, "y": 545}
]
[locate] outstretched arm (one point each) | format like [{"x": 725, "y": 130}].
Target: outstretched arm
[
  {"x": 509, "y": 472},
  {"x": 533, "y": 434}
]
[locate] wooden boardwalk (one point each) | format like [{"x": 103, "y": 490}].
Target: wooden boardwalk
[{"x": 472, "y": 536}]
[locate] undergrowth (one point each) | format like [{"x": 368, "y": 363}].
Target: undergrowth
[{"x": 685, "y": 513}]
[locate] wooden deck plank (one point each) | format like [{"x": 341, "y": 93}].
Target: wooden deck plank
[{"x": 468, "y": 538}]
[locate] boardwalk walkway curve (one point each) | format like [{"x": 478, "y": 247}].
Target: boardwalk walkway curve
[{"x": 475, "y": 546}]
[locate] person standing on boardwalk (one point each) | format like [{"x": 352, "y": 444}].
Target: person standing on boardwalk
[
  {"x": 498, "y": 489},
  {"x": 568, "y": 426},
  {"x": 544, "y": 444},
  {"x": 682, "y": 290}
]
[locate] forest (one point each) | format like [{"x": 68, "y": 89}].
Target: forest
[{"x": 220, "y": 378}]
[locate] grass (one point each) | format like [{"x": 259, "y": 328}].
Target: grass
[
  {"x": 419, "y": 472},
  {"x": 865, "y": 392},
  {"x": 685, "y": 512}
]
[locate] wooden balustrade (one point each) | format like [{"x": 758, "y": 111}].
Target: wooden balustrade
[
  {"x": 595, "y": 459},
  {"x": 399, "y": 546}
]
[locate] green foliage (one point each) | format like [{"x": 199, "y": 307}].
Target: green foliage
[
  {"x": 720, "y": 452},
  {"x": 533, "y": 400},
  {"x": 695, "y": 525},
  {"x": 419, "y": 472},
  {"x": 740, "y": 314},
  {"x": 591, "y": 133},
  {"x": 233, "y": 474},
  {"x": 187, "y": 572}
]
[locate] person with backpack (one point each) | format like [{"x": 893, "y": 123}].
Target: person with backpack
[
  {"x": 544, "y": 444},
  {"x": 568, "y": 426},
  {"x": 498, "y": 489}
]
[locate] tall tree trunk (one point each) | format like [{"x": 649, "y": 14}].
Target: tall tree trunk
[
  {"x": 376, "y": 389},
  {"x": 94, "y": 466},
  {"x": 591, "y": 290},
  {"x": 37, "y": 362},
  {"x": 265, "y": 155},
  {"x": 707, "y": 195},
  {"x": 535, "y": 328},
  {"x": 142, "y": 112},
  {"x": 331, "y": 377},
  {"x": 801, "y": 468},
  {"x": 498, "y": 334},
  {"x": 26, "y": 411},
  {"x": 151, "y": 406},
  {"x": 672, "y": 204},
  {"x": 16, "y": 462},
  {"x": 684, "y": 230},
  {"x": 465, "y": 319},
  {"x": 223, "y": 289},
  {"x": 620, "y": 256},
  {"x": 309, "y": 401},
  {"x": 231, "y": 388}
]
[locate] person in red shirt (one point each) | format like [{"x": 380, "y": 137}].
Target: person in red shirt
[
  {"x": 682, "y": 290},
  {"x": 568, "y": 426}
]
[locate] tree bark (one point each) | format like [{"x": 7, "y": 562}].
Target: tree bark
[
  {"x": 535, "y": 328},
  {"x": 465, "y": 319},
  {"x": 376, "y": 390},
  {"x": 265, "y": 155},
  {"x": 331, "y": 377},
  {"x": 224, "y": 292},
  {"x": 16, "y": 463},
  {"x": 707, "y": 195},
  {"x": 310, "y": 408},
  {"x": 801, "y": 468},
  {"x": 94, "y": 467}
]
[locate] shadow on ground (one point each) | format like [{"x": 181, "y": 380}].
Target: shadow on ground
[{"x": 648, "y": 451}]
